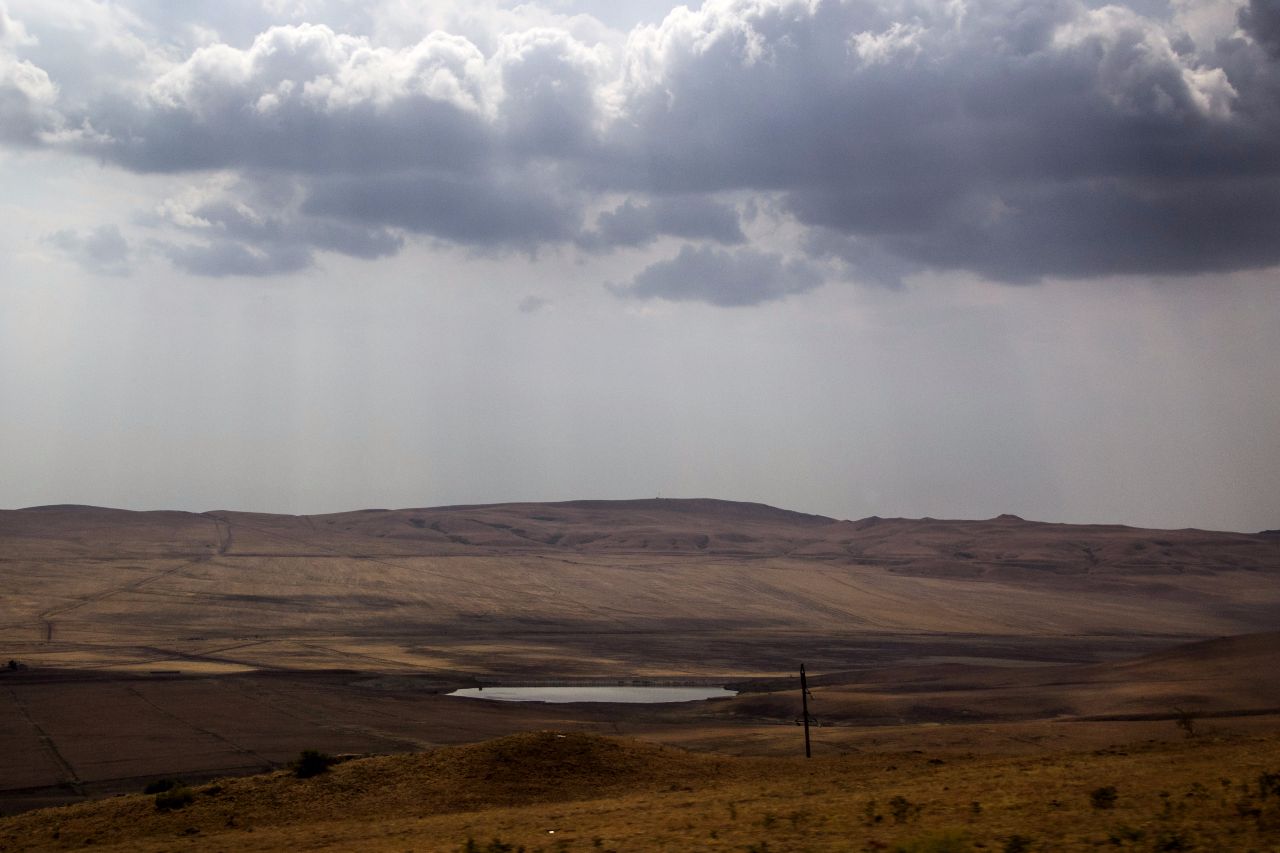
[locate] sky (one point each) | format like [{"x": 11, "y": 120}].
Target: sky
[{"x": 947, "y": 258}]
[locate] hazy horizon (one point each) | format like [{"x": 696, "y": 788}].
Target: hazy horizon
[{"x": 909, "y": 259}]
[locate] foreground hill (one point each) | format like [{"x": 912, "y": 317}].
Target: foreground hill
[{"x": 564, "y": 791}]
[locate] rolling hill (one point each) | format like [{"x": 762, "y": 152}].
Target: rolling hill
[{"x": 223, "y": 642}]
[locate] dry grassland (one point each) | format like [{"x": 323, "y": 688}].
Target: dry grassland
[
  {"x": 564, "y": 791},
  {"x": 996, "y": 662},
  {"x": 644, "y": 588}
]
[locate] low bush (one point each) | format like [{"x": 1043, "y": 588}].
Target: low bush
[
  {"x": 174, "y": 799},
  {"x": 312, "y": 763},
  {"x": 159, "y": 786},
  {"x": 1103, "y": 798},
  {"x": 1268, "y": 785}
]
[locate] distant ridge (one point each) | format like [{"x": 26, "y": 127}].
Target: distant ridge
[
  {"x": 1005, "y": 547},
  {"x": 688, "y": 507},
  {"x": 75, "y": 508},
  {"x": 682, "y": 506}
]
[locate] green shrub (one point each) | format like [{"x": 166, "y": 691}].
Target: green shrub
[
  {"x": 174, "y": 799},
  {"x": 312, "y": 763}
]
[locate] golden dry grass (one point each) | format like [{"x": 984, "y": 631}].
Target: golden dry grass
[
  {"x": 633, "y": 587},
  {"x": 563, "y": 791}
]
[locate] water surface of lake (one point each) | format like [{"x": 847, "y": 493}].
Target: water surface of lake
[{"x": 595, "y": 694}]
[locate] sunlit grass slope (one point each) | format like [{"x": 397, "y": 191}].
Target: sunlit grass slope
[{"x": 562, "y": 791}]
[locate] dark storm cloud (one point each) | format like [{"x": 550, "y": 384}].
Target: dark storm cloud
[
  {"x": 871, "y": 260},
  {"x": 101, "y": 250},
  {"x": 258, "y": 253},
  {"x": 295, "y": 140},
  {"x": 1261, "y": 19},
  {"x": 549, "y": 94},
  {"x": 254, "y": 229},
  {"x": 717, "y": 277},
  {"x": 1017, "y": 139},
  {"x": 688, "y": 217},
  {"x": 487, "y": 212},
  {"x": 227, "y": 257}
]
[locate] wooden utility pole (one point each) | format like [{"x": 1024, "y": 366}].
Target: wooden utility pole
[{"x": 804, "y": 704}]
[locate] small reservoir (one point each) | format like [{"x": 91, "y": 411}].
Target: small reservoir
[{"x": 620, "y": 693}]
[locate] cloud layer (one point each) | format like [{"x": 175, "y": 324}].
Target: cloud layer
[
  {"x": 727, "y": 279},
  {"x": 1017, "y": 139}
]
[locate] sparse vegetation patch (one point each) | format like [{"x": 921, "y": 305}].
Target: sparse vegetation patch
[
  {"x": 1104, "y": 797},
  {"x": 173, "y": 799},
  {"x": 312, "y": 763},
  {"x": 608, "y": 794}
]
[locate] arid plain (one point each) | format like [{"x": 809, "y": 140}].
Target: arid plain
[{"x": 205, "y": 645}]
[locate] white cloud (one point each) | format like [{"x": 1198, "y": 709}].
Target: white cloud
[
  {"x": 13, "y": 32},
  {"x": 900, "y": 38},
  {"x": 28, "y": 97},
  {"x": 1135, "y": 66},
  {"x": 1206, "y": 21}
]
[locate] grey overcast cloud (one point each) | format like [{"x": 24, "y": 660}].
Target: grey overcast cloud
[{"x": 943, "y": 258}]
